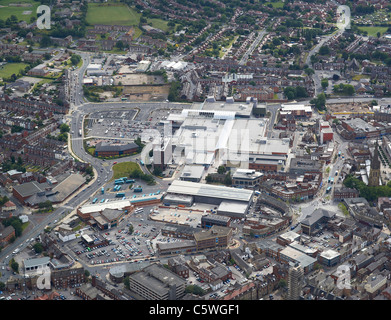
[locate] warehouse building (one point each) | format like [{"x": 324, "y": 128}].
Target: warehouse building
[{"x": 211, "y": 194}]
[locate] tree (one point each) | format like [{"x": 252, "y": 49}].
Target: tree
[
  {"x": 309, "y": 71},
  {"x": 157, "y": 171},
  {"x": 131, "y": 229},
  {"x": 120, "y": 45},
  {"x": 228, "y": 179},
  {"x": 45, "y": 41},
  {"x": 38, "y": 248},
  {"x": 14, "y": 265},
  {"x": 319, "y": 102},
  {"x": 127, "y": 282},
  {"x": 194, "y": 289},
  {"x": 75, "y": 59},
  {"x": 221, "y": 170},
  {"x": 324, "y": 83},
  {"x": 324, "y": 50},
  {"x": 64, "y": 128},
  {"x": 282, "y": 283}
]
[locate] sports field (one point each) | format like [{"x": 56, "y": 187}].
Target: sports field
[
  {"x": 22, "y": 9},
  {"x": 372, "y": 31},
  {"x": 9, "y": 69},
  {"x": 112, "y": 14}
]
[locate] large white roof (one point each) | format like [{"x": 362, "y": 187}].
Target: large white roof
[{"x": 211, "y": 191}]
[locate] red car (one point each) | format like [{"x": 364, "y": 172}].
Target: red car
[{"x": 115, "y": 162}]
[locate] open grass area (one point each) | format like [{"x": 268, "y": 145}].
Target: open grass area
[
  {"x": 277, "y": 4},
  {"x": 160, "y": 24},
  {"x": 9, "y": 69},
  {"x": 8, "y": 8},
  {"x": 124, "y": 169},
  {"x": 372, "y": 31},
  {"x": 112, "y": 14}
]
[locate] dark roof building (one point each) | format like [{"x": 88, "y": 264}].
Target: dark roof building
[
  {"x": 157, "y": 283},
  {"x": 312, "y": 222},
  {"x": 104, "y": 149}
]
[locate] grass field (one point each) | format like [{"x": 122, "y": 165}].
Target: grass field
[
  {"x": 9, "y": 69},
  {"x": 160, "y": 24},
  {"x": 124, "y": 169},
  {"x": 112, "y": 14},
  {"x": 6, "y": 10},
  {"x": 277, "y": 4},
  {"x": 372, "y": 31}
]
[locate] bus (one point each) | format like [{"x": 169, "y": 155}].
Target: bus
[
  {"x": 138, "y": 189},
  {"x": 95, "y": 200},
  {"x": 103, "y": 190},
  {"x": 329, "y": 180},
  {"x": 118, "y": 181},
  {"x": 142, "y": 162},
  {"x": 328, "y": 189},
  {"x": 120, "y": 195},
  {"x": 103, "y": 200},
  {"x": 332, "y": 180},
  {"x": 339, "y": 154},
  {"x": 130, "y": 181}
]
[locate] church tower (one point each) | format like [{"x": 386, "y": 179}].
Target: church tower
[{"x": 374, "y": 174}]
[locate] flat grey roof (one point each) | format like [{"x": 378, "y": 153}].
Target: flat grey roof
[
  {"x": 157, "y": 279},
  {"x": 233, "y": 207},
  {"x": 28, "y": 263},
  {"x": 191, "y": 171}
]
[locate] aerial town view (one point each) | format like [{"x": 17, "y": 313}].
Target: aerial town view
[{"x": 206, "y": 150}]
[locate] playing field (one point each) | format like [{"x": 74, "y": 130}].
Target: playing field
[
  {"x": 372, "y": 31},
  {"x": 9, "y": 69},
  {"x": 22, "y": 9},
  {"x": 112, "y": 14}
]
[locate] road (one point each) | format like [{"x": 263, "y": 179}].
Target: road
[
  {"x": 313, "y": 51},
  {"x": 252, "y": 47}
]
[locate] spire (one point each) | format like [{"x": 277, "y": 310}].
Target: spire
[{"x": 375, "y": 163}]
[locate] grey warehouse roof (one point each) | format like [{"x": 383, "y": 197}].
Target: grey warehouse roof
[{"x": 211, "y": 191}]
